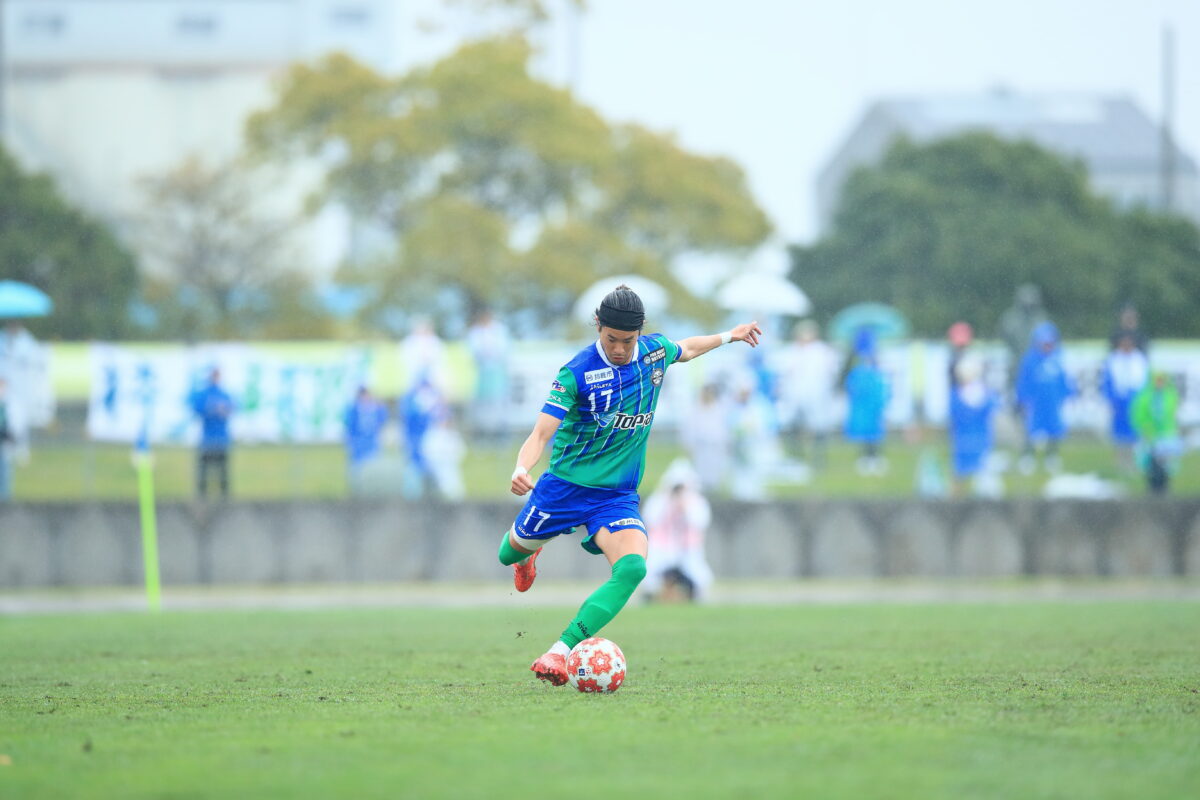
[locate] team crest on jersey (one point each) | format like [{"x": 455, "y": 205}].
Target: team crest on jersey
[
  {"x": 656, "y": 376},
  {"x": 598, "y": 375},
  {"x": 654, "y": 356}
]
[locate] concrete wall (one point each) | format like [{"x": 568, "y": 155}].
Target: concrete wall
[{"x": 99, "y": 544}]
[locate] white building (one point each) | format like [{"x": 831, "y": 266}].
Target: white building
[
  {"x": 101, "y": 93},
  {"x": 1120, "y": 146}
]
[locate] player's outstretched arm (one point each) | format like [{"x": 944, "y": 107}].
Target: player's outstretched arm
[
  {"x": 527, "y": 457},
  {"x": 699, "y": 345}
]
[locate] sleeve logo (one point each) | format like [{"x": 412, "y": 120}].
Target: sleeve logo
[
  {"x": 654, "y": 356},
  {"x": 557, "y": 387}
]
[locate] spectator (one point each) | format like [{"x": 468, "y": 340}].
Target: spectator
[
  {"x": 364, "y": 421},
  {"x": 1154, "y": 411},
  {"x": 1018, "y": 323},
  {"x": 213, "y": 405},
  {"x": 972, "y": 405},
  {"x": 960, "y": 335},
  {"x": 756, "y": 449},
  {"x": 808, "y": 377},
  {"x": 488, "y": 341},
  {"x": 19, "y": 351},
  {"x": 444, "y": 453},
  {"x": 1129, "y": 324},
  {"x": 677, "y": 517},
  {"x": 8, "y": 440},
  {"x": 708, "y": 439},
  {"x": 419, "y": 407},
  {"x": 422, "y": 354},
  {"x": 1124, "y": 374},
  {"x": 29, "y": 397},
  {"x": 867, "y": 396},
  {"x": 1042, "y": 388}
]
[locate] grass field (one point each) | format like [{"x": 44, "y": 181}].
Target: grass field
[
  {"x": 1016, "y": 700},
  {"x": 98, "y": 471}
]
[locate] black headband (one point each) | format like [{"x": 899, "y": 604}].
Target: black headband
[{"x": 620, "y": 319}]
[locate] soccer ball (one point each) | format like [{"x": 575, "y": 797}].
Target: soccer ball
[{"x": 596, "y": 665}]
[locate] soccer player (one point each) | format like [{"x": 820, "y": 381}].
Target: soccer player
[{"x": 598, "y": 413}]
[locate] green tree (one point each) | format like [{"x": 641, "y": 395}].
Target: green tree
[
  {"x": 220, "y": 268},
  {"x": 78, "y": 261},
  {"x": 500, "y": 185},
  {"x": 1160, "y": 257},
  {"x": 948, "y": 230}
]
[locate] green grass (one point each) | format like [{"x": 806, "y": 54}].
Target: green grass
[
  {"x": 70, "y": 471},
  {"x": 1028, "y": 700}
]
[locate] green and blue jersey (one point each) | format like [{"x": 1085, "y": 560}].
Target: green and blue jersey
[{"x": 606, "y": 412}]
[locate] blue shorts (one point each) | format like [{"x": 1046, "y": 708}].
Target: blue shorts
[{"x": 556, "y": 506}]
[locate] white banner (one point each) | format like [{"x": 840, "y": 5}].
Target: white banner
[
  {"x": 136, "y": 393},
  {"x": 281, "y": 398}
]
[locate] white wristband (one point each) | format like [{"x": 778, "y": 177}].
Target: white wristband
[
  {"x": 726, "y": 337},
  {"x": 519, "y": 471}
]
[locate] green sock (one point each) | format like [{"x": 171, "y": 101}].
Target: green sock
[
  {"x": 510, "y": 555},
  {"x": 604, "y": 603}
]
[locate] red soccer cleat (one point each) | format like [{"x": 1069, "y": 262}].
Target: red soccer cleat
[
  {"x": 525, "y": 572},
  {"x": 551, "y": 667}
]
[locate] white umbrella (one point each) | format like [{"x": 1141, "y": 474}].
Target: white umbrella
[
  {"x": 763, "y": 293},
  {"x": 654, "y": 297}
]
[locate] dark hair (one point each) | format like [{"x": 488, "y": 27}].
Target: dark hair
[{"x": 622, "y": 310}]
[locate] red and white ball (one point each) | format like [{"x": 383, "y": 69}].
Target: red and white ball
[{"x": 596, "y": 665}]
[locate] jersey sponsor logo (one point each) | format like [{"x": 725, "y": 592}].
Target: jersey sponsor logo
[
  {"x": 654, "y": 356},
  {"x": 656, "y": 376},
  {"x": 624, "y": 422},
  {"x": 557, "y": 387},
  {"x": 628, "y": 522},
  {"x": 598, "y": 375}
]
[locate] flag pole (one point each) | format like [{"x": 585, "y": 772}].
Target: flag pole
[{"x": 143, "y": 463}]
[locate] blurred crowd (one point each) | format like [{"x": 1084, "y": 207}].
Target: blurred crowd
[
  {"x": 759, "y": 420},
  {"x": 785, "y": 406},
  {"x": 767, "y": 419}
]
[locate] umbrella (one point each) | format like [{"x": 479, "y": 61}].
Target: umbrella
[
  {"x": 887, "y": 322},
  {"x": 22, "y": 300},
  {"x": 763, "y": 293},
  {"x": 654, "y": 297}
]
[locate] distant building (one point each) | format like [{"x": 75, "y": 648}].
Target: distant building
[
  {"x": 1119, "y": 145},
  {"x": 100, "y": 93}
]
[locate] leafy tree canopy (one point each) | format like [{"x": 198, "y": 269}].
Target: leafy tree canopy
[
  {"x": 490, "y": 180},
  {"x": 73, "y": 258},
  {"x": 947, "y": 231},
  {"x": 217, "y": 267}
]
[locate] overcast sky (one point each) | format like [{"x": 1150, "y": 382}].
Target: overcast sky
[{"x": 777, "y": 84}]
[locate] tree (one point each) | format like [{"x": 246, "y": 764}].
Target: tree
[
  {"x": 497, "y": 184},
  {"x": 78, "y": 261},
  {"x": 1160, "y": 257},
  {"x": 220, "y": 268},
  {"x": 948, "y": 230}
]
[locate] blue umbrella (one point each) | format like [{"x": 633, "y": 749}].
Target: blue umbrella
[
  {"x": 886, "y": 322},
  {"x": 22, "y": 300}
]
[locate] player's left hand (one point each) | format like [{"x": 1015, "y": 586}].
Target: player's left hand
[
  {"x": 522, "y": 482},
  {"x": 747, "y": 332}
]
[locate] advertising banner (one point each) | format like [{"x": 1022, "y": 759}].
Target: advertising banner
[{"x": 139, "y": 395}]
